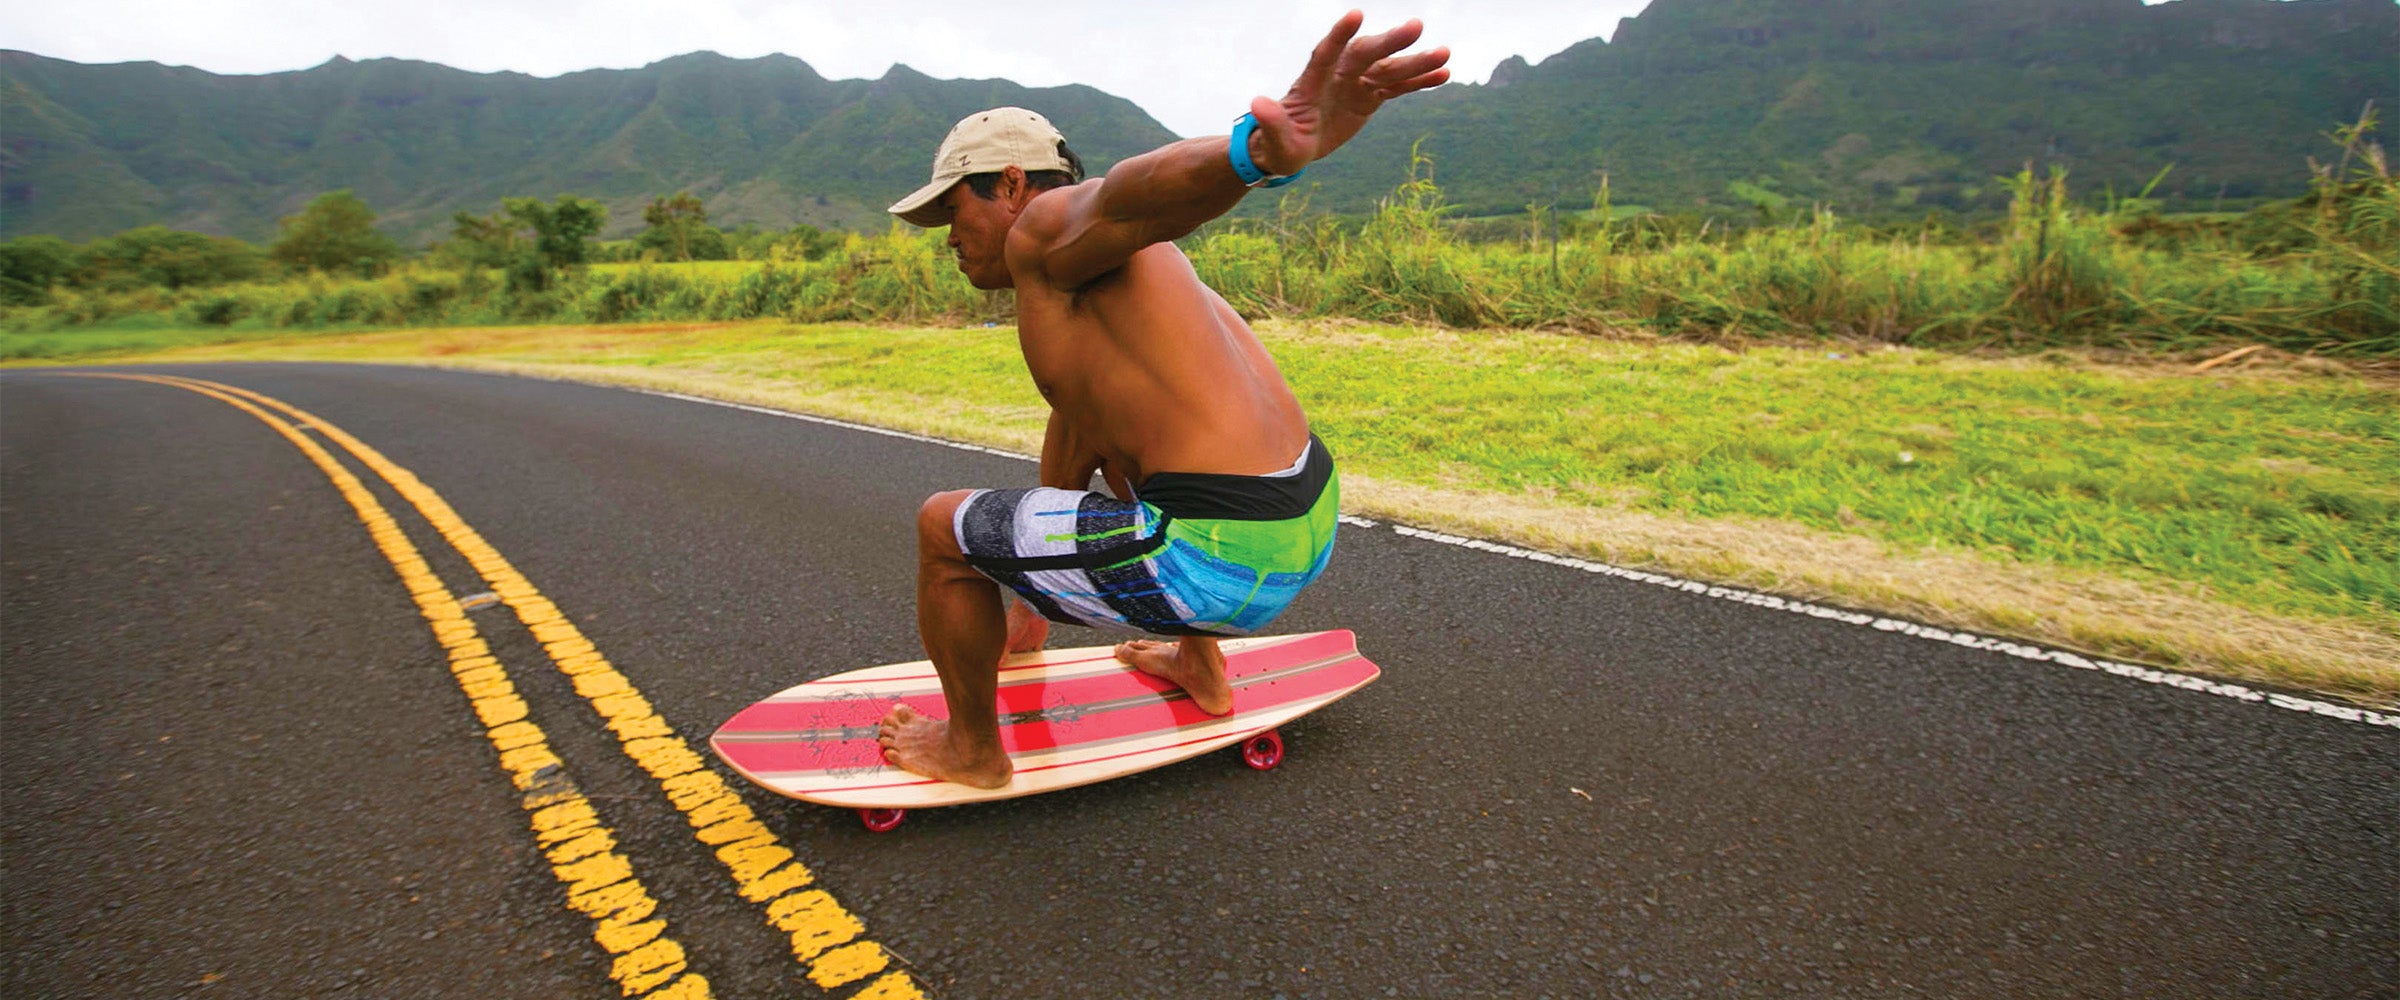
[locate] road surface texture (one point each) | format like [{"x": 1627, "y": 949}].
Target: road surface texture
[{"x": 238, "y": 762}]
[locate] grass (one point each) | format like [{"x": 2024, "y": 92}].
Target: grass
[
  {"x": 716, "y": 269},
  {"x": 89, "y": 343},
  {"x": 2243, "y": 522},
  {"x": 2311, "y": 276}
]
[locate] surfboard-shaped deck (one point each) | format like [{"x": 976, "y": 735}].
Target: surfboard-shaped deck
[{"x": 1067, "y": 717}]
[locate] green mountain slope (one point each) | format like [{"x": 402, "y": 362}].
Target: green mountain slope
[
  {"x": 87, "y": 150},
  {"x": 1874, "y": 106},
  {"x": 1888, "y": 105}
]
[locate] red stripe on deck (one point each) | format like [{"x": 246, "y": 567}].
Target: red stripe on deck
[
  {"x": 1032, "y": 770},
  {"x": 930, "y": 675},
  {"x": 862, "y": 753},
  {"x": 837, "y": 711}
]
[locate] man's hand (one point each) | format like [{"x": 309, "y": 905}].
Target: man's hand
[
  {"x": 1347, "y": 79},
  {"x": 1071, "y": 239}
]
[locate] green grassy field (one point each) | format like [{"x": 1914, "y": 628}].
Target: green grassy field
[
  {"x": 719, "y": 270},
  {"x": 2135, "y": 511},
  {"x": 2314, "y": 277}
]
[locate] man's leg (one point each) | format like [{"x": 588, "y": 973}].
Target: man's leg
[
  {"x": 960, "y": 621},
  {"x": 1193, "y": 663},
  {"x": 1027, "y": 629}
]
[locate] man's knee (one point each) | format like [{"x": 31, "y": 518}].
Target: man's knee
[{"x": 937, "y": 526}]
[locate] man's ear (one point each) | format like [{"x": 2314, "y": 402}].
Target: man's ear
[{"x": 1015, "y": 188}]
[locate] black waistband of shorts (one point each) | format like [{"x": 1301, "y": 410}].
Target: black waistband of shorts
[{"x": 1216, "y": 496}]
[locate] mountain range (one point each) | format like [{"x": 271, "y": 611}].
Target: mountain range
[
  {"x": 1869, "y": 105},
  {"x": 91, "y": 149},
  {"x": 1899, "y": 105}
]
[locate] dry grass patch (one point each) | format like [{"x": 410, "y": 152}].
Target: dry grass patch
[{"x": 2090, "y": 612}]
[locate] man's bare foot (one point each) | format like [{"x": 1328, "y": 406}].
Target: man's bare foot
[
  {"x": 1027, "y": 629},
  {"x": 914, "y": 741},
  {"x": 1201, "y": 675}
]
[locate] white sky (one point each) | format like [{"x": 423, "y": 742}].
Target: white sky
[{"x": 1192, "y": 65}]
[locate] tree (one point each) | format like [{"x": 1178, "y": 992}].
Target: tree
[
  {"x": 156, "y": 255},
  {"x": 481, "y": 240},
  {"x": 335, "y": 233},
  {"x": 529, "y": 239},
  {"x": 30, "y": 265},
  {"x": 674, "y": 224},
  {"x": 562, "y": 230},
  {"x": 807, "y": 242}
]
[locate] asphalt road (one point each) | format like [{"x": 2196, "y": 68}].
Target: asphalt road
[{"x": 237, "y": 763}]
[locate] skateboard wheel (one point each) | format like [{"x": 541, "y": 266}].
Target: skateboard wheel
[
  {"x": 1263, "y": 751},
  {"x": 882, "y": 820}
]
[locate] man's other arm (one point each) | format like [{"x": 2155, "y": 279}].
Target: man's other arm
[
  {"x": 1068, "y": 463},
  {"x": 1086, "y": 231}
]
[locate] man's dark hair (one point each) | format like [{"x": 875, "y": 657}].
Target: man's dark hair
[{"x": 987, "y": 186}]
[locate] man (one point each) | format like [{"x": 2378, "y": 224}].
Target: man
[{"x": 1224, "y": 503}]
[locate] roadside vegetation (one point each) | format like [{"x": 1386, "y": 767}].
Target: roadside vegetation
[{"x": 2320, "y": 274}]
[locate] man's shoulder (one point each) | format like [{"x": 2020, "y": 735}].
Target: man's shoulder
[
  {"x": 1043, "y": 224},
  {"x": 1046, "y": 217}
]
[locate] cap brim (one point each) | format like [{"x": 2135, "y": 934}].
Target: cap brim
[{"x": 923, "y": 207}]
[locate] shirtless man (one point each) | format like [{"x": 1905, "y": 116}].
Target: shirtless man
[{"x": 1224, "y": 503}]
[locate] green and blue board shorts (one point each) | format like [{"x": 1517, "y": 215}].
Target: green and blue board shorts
[{"x": 1191, "y": 554}]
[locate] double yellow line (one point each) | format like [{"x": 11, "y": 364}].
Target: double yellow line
[{"x": 826, "y": 939}]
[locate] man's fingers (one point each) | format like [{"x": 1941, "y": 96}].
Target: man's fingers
[
  {"x": 1337, "y": 41},
  {"x": 1398, "y": 68},
  {"x": 1373, "y": 48},
  {"x": 1414, "y": 84},
  {"x": 1270, "y": 114},
  {"x": 1275, "y": 132}
]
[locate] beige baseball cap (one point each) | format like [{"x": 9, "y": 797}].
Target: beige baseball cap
[{"x": 982, "y": 143}]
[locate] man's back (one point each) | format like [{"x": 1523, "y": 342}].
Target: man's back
[{"x": 1151, "y": 367}]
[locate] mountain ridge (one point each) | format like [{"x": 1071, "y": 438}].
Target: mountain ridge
[
  {"x": 1893, "y": 105},
  {"x": 765, "y": 140},
  {"x": 1870, "y": 106}
]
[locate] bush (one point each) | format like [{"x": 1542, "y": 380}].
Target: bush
[{"x": 2313, "y": 275}]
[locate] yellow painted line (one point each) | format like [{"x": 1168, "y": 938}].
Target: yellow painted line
[
  {"x": 582, "y": 853},
  {"x": 825, "y": 938}
]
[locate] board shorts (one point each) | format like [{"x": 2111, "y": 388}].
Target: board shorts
[{"x": 1191, "y": 554}]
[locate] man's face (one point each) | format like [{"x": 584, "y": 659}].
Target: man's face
[{"x": 979, "y": 236}]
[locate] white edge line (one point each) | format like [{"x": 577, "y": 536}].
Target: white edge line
[
  {"x": 1954, "y": 637},
  {"x": 2022, "y": 651},
  {"x": 830, "y": 422}
]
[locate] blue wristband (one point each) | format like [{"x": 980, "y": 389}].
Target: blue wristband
[{"x": 1238, "y": 151}]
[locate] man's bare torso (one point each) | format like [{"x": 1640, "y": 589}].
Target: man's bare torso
[{"x": 1155, "y": 372}]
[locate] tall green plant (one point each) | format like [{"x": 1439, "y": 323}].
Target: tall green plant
[
  {"x": 2062, "y": 260},
  {"x": 2357, "y": 230}
]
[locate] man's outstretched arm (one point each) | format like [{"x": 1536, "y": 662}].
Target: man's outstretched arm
[{"x": 1094, "y": 227}]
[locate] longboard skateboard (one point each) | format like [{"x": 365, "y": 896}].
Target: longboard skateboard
[{"x": 1068, "y": 717}]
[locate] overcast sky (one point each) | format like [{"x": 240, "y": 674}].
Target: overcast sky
[{"x": 1192, "y": 65}]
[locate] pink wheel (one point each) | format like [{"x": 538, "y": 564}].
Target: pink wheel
[
  {"x": 882, "y": 820},
  {"x": 1263, "y": 751}
]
